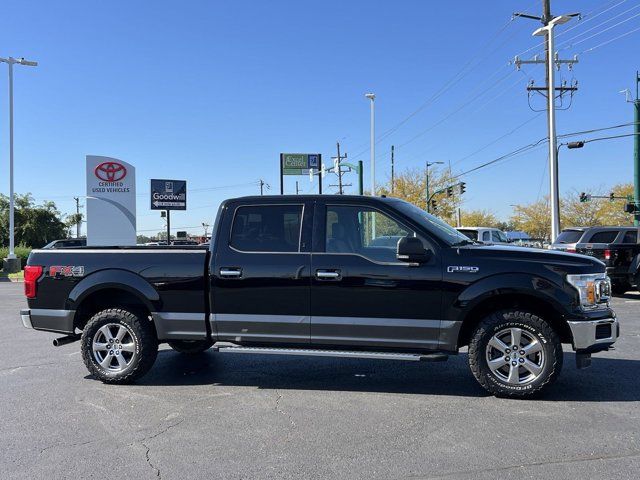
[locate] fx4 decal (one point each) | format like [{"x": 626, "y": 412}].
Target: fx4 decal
[{"x": 66, "y": 271}]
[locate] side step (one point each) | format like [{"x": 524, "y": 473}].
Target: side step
[{"x": 412, "y": 357}]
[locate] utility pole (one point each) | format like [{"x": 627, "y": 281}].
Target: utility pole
[
  {"x": 551, "y": 62},
  {"x": 78, "y": 218},
  {"x": 337, "y": 169},
  {"x": 372, "y": 148},
  {"x": 297, "y": 188},
  {"x": 636, "y": 154},
  {"x": 393, "y": 176},
  {"x": 263, "y": 184}
]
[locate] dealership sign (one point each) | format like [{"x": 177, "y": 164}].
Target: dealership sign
[
  {"x": 111, "y": 201},
  {"x": 168, "y": 194},
  {"x": 299, "y": 163}
]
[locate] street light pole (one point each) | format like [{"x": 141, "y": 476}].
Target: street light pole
[
  {"x": 372, "y": 97},
  {"x": 11, "y": 264},
  {"x": 427, "y": 182},
  {"x": 554, "y": 193}
]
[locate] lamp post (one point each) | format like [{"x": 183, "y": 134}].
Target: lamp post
[
  {"x": 427, "y": 181},
  {"x": 11, "y": 263},
  {"x": 372, "y": 97},
  {"x": 554, "y": 193}
]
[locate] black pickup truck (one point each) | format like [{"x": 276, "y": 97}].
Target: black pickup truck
[
  {"x": 617, "y": 247},
  {"x": 304, "y": 275}
]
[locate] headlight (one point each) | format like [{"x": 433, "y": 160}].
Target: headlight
[{"x": 594, "y": 289}]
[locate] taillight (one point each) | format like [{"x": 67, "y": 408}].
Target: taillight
[
  {"x": 571, "y": 250},
  {"x": 607, "y": 254},
  {"x": 31, "y": 275}
]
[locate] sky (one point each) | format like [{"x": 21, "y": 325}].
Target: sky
[{"x": 212, "y": 92}]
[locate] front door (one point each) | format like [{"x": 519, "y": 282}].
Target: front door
[
  {"x": 260, "y": 283},
  {"x": 360, "y": 294}
]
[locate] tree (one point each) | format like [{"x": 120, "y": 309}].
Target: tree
[
  {"x": 534, "y": 217},
  {"x": 35, "y": 225},
  {"x": 479, "y": 218},
  {"x": 72, "y": 221},
  {"x": 411, "y": 184}
]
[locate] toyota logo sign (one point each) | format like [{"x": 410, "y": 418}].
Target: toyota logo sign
[{"x": 110, "y": 171}]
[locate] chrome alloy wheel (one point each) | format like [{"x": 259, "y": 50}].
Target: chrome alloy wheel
[
  {"x": 515, "y": 356},
  {"x": 114, "y": 347}
]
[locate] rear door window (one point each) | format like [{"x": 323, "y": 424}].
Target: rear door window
[
  {"x": 267, "y": 228},
  {"x": 569, "y": 236},
  {"x": 604, "y": 237}
]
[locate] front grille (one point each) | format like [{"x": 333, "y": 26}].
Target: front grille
[{"x": 603, "y": 331}]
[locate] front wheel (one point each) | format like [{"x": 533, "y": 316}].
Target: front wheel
[
  {"x": 515, "y": 354},
  {"x": 118, "y": 346}
]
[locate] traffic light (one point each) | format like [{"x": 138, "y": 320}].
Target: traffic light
[
  {"x": 434, "y": 205},
  {"x": 630, "y": 208},
  {"x": 585, "y": 197},
  {"x": 612, "y": 197},
  {"x": 462, "y": 187},
  {"x": 449, "y": 191}
]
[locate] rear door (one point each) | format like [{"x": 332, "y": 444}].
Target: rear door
[
  {"x": 361, "y": 295},
  {"x": 260, "y": 282}
]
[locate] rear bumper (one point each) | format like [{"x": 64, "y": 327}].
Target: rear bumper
[
  {"x": 594, "y": 335},
  {"x": 49, "y": 320}
]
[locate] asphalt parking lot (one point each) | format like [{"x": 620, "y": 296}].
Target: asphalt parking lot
[{"x": 244, "y": 417}]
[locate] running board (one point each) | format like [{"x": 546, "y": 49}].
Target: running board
[{"x": 412, "y": 357}]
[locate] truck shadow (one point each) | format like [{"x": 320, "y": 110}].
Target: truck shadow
[{"x": 609, "y": 379}]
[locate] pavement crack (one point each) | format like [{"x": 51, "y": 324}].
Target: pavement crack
[
  {"x": 164, "y": 430},
  {"x": 282, "y": 412},
  {"x": 10, "y": 370},
  {"x": 148, "y": 459}
]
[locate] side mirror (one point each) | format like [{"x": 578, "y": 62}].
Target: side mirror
[{"x": 411, "y": 249}]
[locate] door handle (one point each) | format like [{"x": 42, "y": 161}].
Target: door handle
[
  {"x": 230, "y": 272},
  {"x": 328, "y": 274}
]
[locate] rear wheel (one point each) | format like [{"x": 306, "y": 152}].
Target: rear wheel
[
  {"x": 515, "y": 354},
  {"x": 190, "y": 347},
  {"x": 118, "y": 346}
]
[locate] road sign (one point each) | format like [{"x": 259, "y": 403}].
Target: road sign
[
  {"x": 299, "y": 163},
  {"x": 168, "y": 194}
]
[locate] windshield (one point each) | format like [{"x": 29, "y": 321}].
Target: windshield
[{"x": 433, "y": 224}]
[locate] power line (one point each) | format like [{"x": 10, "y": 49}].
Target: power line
[
  {"x": 609, "y": 41},
  {"x": 568, "y": 41}
]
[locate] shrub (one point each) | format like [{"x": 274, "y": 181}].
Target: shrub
[{"x": 22, "y": 253}]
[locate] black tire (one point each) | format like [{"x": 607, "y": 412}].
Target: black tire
[
  {"x": 190, "y": 347},
  {"x": 548, "y": 361},
  {"x": 140, "y": 335}
]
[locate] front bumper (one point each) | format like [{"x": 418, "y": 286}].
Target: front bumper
[
  {"x": 594, "y": 335},
  {"x": 47, "y": 319}
]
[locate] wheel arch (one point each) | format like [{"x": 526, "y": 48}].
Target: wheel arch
[
  {"x": 111, "y": 289},
  {"x": 513, "y": 299}
]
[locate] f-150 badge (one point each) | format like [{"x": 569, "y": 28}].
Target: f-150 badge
[{"x": 462, "y": 269}]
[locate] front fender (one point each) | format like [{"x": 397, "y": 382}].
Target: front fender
[
  {"x": 533, "y": 286},
  {"x": 114, "y": 278}
]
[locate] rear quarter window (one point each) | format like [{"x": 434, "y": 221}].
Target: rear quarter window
[
  {"x": 604, "y": 237},
  {"x": 631, "y": 236},
  {"x": 569, "y": 236}
]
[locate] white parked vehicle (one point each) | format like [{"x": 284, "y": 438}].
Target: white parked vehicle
[{"x": 485, "y": 234}]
